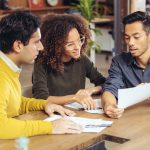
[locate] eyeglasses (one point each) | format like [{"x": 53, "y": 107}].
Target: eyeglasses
[{"x": 71, "y": 45}]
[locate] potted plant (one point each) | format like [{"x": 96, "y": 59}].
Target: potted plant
[{"x": 87, "y": 9}]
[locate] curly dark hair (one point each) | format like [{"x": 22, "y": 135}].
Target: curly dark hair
[
  {"x": 55, "y": 30},
  {"x": 19, "y": 25}
]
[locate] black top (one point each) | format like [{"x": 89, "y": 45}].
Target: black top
[
  {"x": 49, "y": 83},
  {"x": 125, "y": 73}
]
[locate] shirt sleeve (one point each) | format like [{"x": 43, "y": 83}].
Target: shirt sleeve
[
  {"x": 115, "y": 79},
  {"x": 11, "y": 128},
  {"x": 92, "y": 73},
  {"x": 31, "y": 104},
  {"x": 39, "y": 79}
]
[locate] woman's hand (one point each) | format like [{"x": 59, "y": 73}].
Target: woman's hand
[
  {"x": 85, "y": 100},
  {"x": 89, "y": 91}
]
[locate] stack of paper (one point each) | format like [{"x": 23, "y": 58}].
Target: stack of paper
[
  {"x": 78, "y": 106},
  {"x": 88, "y": 125}
]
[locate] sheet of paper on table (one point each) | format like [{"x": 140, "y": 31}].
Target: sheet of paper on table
[
  {"x": 78, "y": 106},
  {"x": 130, "y": 96},
  {"x": 88, "y": 125}
]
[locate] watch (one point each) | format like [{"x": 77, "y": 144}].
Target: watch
[{"x": 52, "y": 2}]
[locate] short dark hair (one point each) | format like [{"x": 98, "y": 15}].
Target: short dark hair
[
  {"x": 55, "y": 30},
  {"x": 19, "y": 25},
  {"x": 140, "y": 16}
]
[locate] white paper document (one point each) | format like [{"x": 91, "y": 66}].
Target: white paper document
[
  {"x": 88, "y": 125},
  {"x": 98, "y": 109},
  {"x": 95, "y": 111},
  {"x": 130, "y": 96}
]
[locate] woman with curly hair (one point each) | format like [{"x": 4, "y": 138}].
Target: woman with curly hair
[{"x": 60, "y": 70}]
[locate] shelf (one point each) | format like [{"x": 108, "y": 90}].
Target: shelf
[
  {"x": 39, "y": 11},
  {"x": 51, "y": 8},
  {"x": 104, "y": 19}
]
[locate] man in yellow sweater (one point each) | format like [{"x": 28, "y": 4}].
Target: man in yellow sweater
[{"x": 20, "y": 44}]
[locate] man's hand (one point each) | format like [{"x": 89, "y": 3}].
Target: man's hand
[
  {"x": 63, "y": 126},
  {"x": 85, "y": 100},
  {"x": 112, "y": 111},
  {"x": 51, "y": 108}
]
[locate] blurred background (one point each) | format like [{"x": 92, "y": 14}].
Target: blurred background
[{"x": 107, "y": 18}]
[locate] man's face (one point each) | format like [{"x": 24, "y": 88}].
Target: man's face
[
  {"x": 29, "y": 52},
  {"x": 136, "y": 39}
]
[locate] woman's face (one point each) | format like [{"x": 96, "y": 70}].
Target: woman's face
[{"x": 73, "y": 45}]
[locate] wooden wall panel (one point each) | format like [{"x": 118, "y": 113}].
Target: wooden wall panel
[{"x": 18, "y": 3}]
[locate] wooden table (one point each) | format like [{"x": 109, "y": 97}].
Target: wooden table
[{"x": 132, "y": 130}]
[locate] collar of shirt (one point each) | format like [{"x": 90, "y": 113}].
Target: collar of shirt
[
  {"x": 131, "y": 60},
  {"x": 10, "y": 63}
]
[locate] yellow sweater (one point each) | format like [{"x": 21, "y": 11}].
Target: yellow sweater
[{"x": 13, "y": 104}]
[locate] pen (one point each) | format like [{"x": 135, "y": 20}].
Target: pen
[
  {"x": 95, "y": 126},
  {"x": 81, "y": 109}
]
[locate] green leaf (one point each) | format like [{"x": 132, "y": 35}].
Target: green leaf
[{"x": 87, "y": 10}]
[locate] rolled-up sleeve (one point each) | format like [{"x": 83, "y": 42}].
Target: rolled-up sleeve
[{"x": 115, "y": 79}]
